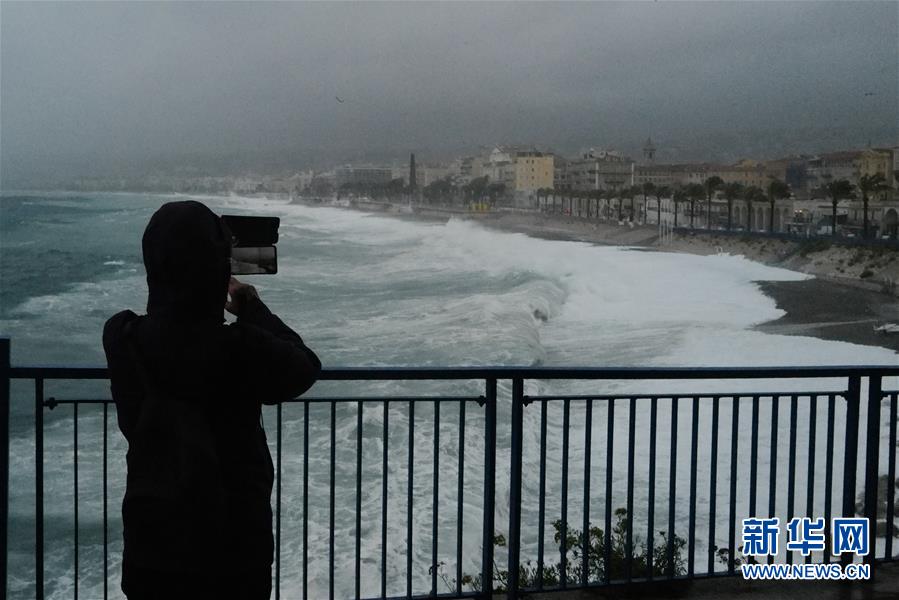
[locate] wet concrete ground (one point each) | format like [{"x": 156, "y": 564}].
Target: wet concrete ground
[{"x": 884, "y": 586}]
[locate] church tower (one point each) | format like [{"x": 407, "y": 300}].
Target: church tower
[
  {"x": 412, "y": 181},
  {"x": 649, "y": 152}
]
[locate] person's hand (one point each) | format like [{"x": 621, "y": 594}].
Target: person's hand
[{"x": 239, "y": 294}]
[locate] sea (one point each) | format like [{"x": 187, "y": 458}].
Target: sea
[{"x": 370, "y": 290}]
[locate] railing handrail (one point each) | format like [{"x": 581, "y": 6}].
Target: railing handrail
[
  {"x": 510, "y": 372},
  {"x": 851, "y": 381}
]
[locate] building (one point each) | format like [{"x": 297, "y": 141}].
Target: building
[
  {"x": 521, "y": 170},
  {"x": 533, "y": 171},
  {"x": 831, "y": 166},
  {"x": 878, "y": 160},
  {"x": 599, "y": 170},
  {"x": 363, "y": 175},
  {"x": 747, "y": 173}
]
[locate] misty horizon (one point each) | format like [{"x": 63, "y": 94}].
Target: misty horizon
[{"x": 92, "y": 89}]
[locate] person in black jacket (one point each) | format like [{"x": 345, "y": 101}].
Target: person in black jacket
[{"x": 188, "y": 390}]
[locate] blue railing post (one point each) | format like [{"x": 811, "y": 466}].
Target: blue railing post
[
  {"x": 515, "y": 486},
  {"x": 850, "y": 456},
  {"x": 489, "y": 488},
  {"x": 4, "y": 459},
  {"x": 872, "y": 465}
]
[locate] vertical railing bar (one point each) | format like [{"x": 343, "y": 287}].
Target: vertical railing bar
[
  {"x": 610, "y": 445},
  {"x": 732, "y": 520},
  {"x": 487, "y": 534},
  {"x": 629, "y": 541},
  {"x": 435, "y": 501},
  {"x": 105, "y": 503},
  {"x": 810, "y": 477},
  {"x": 694, "y": 456},
  {"x": 563, "y": 547},
  {"x": 828, "y": 472},
  {"x": 384, "y": 448},
  {"x": 872, "y": 465},
  {"x": 891, "y": 476},
  {"x": 754, "y": 458},
  {"x": 514, "y": 541},
  {"x": 850, "y": 460},
  {"x": 791, "y": 471},
  {"x": 541, "y": 511},
  {"x": 39, "y": 487},
  {"x": 278, "y": 505},
  {"x": 460, "y": 484},
  {"x": 409, "y": 493},
  {"x": 358, "y": 498},
  {"x": 305, "y": 500},
  {"x": 713, "y": 483},
  {"x": 332, "y": 482},
  {"x": 772, "y": 472},
  {"x": 651, "y": 509},
  {"x": 588, "y": 442},
  {"x": 672, "y": 486},
  {"x": 75, "y": 493},
  {"x": 4, "y": 456}
]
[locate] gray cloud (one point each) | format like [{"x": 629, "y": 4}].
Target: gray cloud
[{"x": 88, "y": 87}]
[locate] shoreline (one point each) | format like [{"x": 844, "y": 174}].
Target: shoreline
[{"x": 826, "y": 307}]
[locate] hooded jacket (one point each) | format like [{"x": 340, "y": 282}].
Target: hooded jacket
[{"x": 188, "y": 390}]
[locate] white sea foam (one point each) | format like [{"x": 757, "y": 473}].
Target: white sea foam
[{"x": 371, "y": 290}]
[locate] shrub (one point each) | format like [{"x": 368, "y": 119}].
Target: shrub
[{"x": 575, "y": 542}]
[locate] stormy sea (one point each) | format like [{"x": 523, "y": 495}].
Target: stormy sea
[{"x": 374, "y": 291}]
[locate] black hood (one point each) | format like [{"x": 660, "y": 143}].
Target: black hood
[{"x": 187, "y": 250}]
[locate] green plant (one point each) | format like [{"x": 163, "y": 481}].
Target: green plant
[{"x": 576, "y": 543}]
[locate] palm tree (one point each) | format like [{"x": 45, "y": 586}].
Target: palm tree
[
  {"x": 660, "y": 192},
  {"x": 679, "y": 196},
  {"x": 694, "y": 191},
  {"x": 751, "y": 194},
  {"x": 649, "y": 189},
  {"x": 596, "y": 195},
  {"x": 731, "y": 191},
  {"x": 870, "y": 184},
  {"x": 633, "y": 191},
  {"x": 711, "y": 184},
  {"x": 777, "y": 190},
  {"x": 839, "y": 189}
]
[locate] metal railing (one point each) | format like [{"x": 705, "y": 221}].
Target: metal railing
[{"x": 637, "y": 442}]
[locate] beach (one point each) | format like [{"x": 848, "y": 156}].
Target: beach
[{"x": 835, "y": 304}]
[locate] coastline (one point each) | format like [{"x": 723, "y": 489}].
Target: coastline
[{"x": 835, "y": 304}]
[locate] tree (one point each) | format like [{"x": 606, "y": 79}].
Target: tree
[
  {"x": 680, "y": 195},
  {"x": 624, "y": 193},
  {"x": 476, "y": 187},
  {"x": 631, "y": 193},
  {"x": 495, "y": 190},
  {"x": 731, "y": 191},
  {"x": 870, "y": 184},
  {"x": 649, "y": 189},
  {"x": 596, "y": 195},
  {"x": 661, "y": 192},
  {"x": 395, "y": 187},
  {"x": 839, "y": 189},
  {"x": 752, "y": 194},
  {"x": 437, "y": 190},
  {"x": 694, "y": 191},
  {"x": 777, "y": 190},
  {"x": 711, "y": 185}
]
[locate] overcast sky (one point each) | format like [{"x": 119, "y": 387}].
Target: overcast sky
[{"x": 133, "y": 86}]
